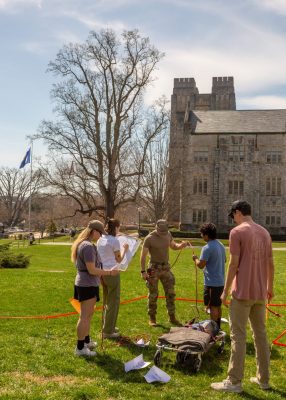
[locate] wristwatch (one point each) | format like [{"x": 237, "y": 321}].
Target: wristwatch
[{"x": 142, "y": 272}]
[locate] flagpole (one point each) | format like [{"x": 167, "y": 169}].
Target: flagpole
[{"x": 30, "y": 197}]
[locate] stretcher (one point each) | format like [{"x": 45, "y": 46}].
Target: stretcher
[{"x": 190, "y": 343}]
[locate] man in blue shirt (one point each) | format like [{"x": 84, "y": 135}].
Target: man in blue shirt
[{"x": 212, "y": 261}]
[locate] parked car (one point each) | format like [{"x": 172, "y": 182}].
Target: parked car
[{"x": 14, "y": 229}]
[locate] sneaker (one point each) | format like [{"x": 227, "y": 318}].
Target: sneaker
[
  {"x": 113, "y": 335},
  {"x": 116, "y": 329},
  {"x": 264, "y": 386},
  {"x": 85, "y": 352},
  {"x": 227, "y": 386},
  {"x": 91, "y": 345}
]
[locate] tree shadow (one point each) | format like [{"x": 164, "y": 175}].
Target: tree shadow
[{"x": 129, "y": 343}]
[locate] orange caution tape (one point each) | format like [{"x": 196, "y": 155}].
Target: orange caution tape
[{"x": 75, "y": 303}]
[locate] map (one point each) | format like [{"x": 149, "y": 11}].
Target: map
[{"x": 133, "y": 247}]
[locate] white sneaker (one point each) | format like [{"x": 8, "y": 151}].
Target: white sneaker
[
  {"x": 85, "y": 352},
  {"x": 113, "y": 335},
  {"x": 264, "y": 386},
  {"x": 91, "y": 345},
  {"x": 227, "y": 386}
]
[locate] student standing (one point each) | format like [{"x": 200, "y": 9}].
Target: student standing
[
  {"x": 157, "y": 245},
  {"x": 86, "y": 290},
  {"x": 212, "y": 261},
  {"x": 110, "y": 254},
  {"x": 250, "y": 281}
]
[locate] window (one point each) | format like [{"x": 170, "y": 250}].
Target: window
[
  {"x": 273, "y": 186},
  {"x": 201, "y": 156},
  {"x": 200, "y": 185},
  {"x": 274, "y": 157},
  {"x": 199, "y": 216},
  {"x": 236, "y": 149},
  {"x": 273, "y": 217},
  {"x": 236, "y": 187},
  {"x": 236, "y": 154}
]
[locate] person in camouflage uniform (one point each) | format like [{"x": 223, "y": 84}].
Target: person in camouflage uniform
[{"x": 157, "y": 245}]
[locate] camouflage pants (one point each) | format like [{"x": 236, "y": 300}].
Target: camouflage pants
[{"x": 160, "y": 273}]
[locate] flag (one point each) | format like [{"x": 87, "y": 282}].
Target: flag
[{"x": 26, "y": 159}]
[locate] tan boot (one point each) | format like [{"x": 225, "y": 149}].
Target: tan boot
[
  {"x": 173, "y": 320},
  {"x": 152, "y": 321}
]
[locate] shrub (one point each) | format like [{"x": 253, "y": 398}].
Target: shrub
[{"x": 8, "y": 259}]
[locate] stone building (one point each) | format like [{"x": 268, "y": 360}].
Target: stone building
[{"x": 219, "y": 154}]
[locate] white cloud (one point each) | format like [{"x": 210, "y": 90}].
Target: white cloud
[
  {"x": 278, "y": 6},
  {"x": 262, "y": 102},
  {"x": 251, "y": 72},
  {"x": 16, "y": 5},
  {"x": 94, "y": 23}
]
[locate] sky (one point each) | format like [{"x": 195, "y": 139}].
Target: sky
[{"x": 245, "y": 39}]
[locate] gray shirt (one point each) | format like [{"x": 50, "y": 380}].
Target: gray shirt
[{"x": 86, "y": 252}]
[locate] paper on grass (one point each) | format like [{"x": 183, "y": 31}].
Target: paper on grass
[
  {"x": 155, "y": 374},
  {"x": 141, "y": 343},
  {"x": 224, "y": 320},
  {"x": 136, "y": 363},
  {"x": 133, "y": 247}
]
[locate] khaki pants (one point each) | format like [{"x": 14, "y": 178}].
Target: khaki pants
[
  {"x": 111, "y": 300},
  {"x": 240, "y": 311}
]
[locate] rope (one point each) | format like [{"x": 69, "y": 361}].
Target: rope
[
  {"x": 176, "y": 259},
  {"x": 198, "y": 313}
]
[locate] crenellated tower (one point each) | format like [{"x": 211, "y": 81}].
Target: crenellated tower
[{"x": 185, "y": 98}]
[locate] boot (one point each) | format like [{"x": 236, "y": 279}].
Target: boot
[
  {"x": 173, "y": 320},
  {"x": 152, "y": 321}
]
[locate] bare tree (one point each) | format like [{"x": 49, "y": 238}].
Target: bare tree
[
  {"x": 101, "y": 117},
  {"x": 153, "y": 189},
  {"x": 15, "y": 192}
]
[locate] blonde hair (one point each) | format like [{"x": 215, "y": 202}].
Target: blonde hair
[{"x": 84, "y": 235}]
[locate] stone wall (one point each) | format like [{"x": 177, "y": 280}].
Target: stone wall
[{"x": 207, "y": 172}]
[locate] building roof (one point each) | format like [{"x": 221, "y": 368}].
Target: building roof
[{"x": 238, "y": 121}]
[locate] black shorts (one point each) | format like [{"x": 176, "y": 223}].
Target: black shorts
[
  {"x": 212, "y": 295},
  {"x": 82, "y": 293}
]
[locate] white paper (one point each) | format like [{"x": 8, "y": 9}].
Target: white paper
[
  {"x": 224, "y": 320},
  {"x": 141, "y": 343},
  {"x": 155, "y": 374},
  {"x": 133, "y": 247},
  {"x": 136, "y": 363}
]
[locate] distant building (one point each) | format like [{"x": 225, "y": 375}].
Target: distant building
[{"x": 219, "y": 154}]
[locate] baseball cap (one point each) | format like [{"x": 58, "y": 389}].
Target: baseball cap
[
  {"x": 162, "y": 226},
  {"x": 97, "y": 226},
  {"x": 240, "y": 205}
]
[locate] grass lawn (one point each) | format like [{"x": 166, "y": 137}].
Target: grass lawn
[{"x": 37, "y": 355}]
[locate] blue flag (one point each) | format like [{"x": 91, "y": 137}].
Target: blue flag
[{"x": 26, "y": 159}]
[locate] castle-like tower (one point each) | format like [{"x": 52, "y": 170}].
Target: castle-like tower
[
  {"x": 185, "y": 98},
  {"x": 219, "y": 154}
]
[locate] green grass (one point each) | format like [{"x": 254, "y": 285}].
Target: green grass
[{"x": 37, "y": 360}]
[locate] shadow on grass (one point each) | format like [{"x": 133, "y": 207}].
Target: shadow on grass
[
  {"x": 250, "y": 350},
  {"x": 271, "y": 392},
  {"x": 115, "y": 369},
  {"x": 212, "y": 362}
]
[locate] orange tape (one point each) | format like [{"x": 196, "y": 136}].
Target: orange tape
[
  {"x": 275, "y": 341},
  {"x": 76, "y": 306}
]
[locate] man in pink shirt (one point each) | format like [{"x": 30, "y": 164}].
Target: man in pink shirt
[{"x": 250, "y": 282}]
